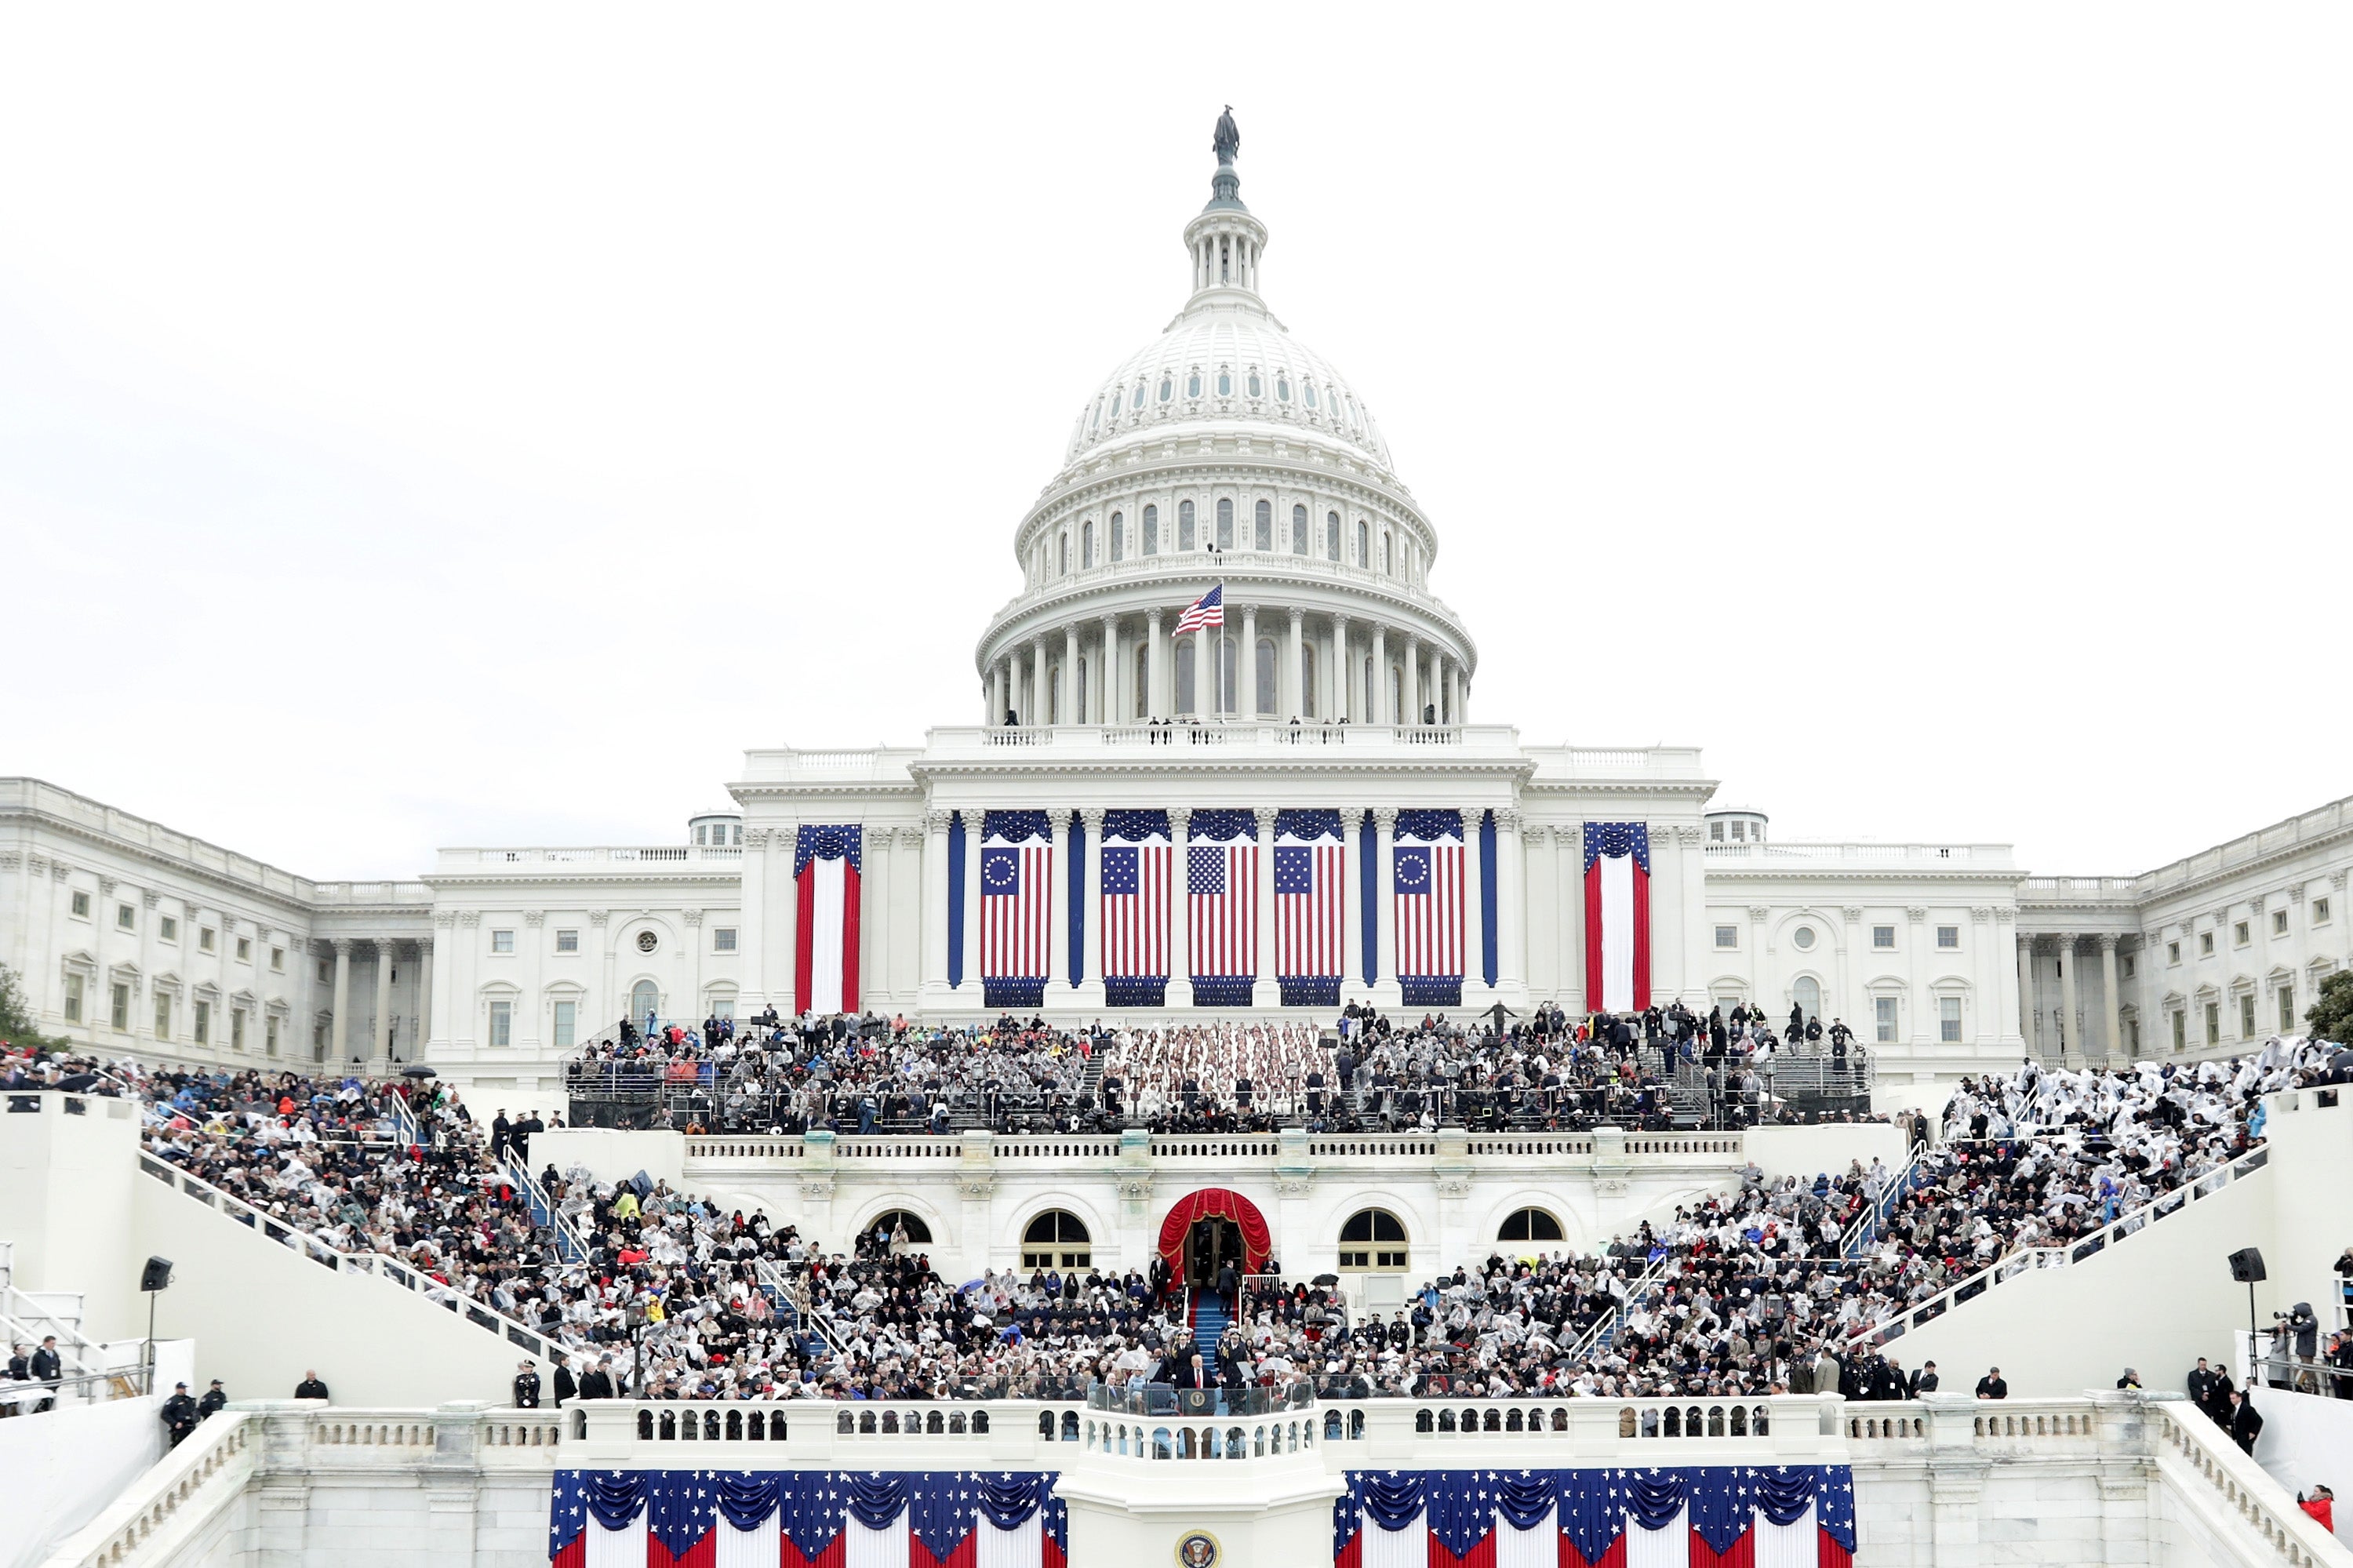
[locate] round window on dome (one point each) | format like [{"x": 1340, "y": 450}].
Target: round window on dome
[
  {"x": 1283, "y": 388},
  {"x": 1225, "y": 383},
  {"x": 1168, "y": 388},
  {"x": 1257, "y": 388},
  {"x": 1193, "y": 385}
]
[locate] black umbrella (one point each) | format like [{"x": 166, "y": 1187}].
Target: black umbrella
[
  {"x": 419, "y": 1072},
  {"x": 1325, "y": 1279}
]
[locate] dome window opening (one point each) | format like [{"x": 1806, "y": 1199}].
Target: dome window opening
[
  {"x": 1264, "y": 679},
  {"x": 1225, "y": 523},
  {"x": 1307, "y": 681},
  {"x": 1139, "y": 395},
  {"x": 1225, "y": 382},
  {"x": 1096, "y": 423},
  {"x": 1119, "y": 535},
  {"x": 1364, "y": 544},
  {"x": 1281, "y": 387},
  {"x": 1152, "y": 530},
  {"x": 1331, "y": 535},
  {"x": 1262, "y": 528},
  {"x": 1193, "y": 385},
  {"x": 1187, "y": 535},
  {"x": 1299, "y": 530},
  {"x": 1087, "y": 544},
  {"x": 1168, "y": 388},
  {"x": 1307, "y": 391},
  {"x": 1257, "y": 388}
]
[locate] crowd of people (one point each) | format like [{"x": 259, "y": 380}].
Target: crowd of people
[{"x": 1768, "y": 1287}]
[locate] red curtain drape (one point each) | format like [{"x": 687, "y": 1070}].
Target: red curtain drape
[{"x": 1217, "y": 1203}]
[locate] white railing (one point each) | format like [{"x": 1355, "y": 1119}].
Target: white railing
[
  {"x": 1864, "y": 1230},
  {"x": 2023, "y": 1260},
  {"x": 267, "y": 1225},
  {"x": 2192, "y": 1452},
  {"x": 163, "y": 1510},
  {"x": 568, "y": 1244}
]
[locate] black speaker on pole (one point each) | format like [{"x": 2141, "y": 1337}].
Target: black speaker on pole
[
  {"x": 157, "y": 1275},
  {"x": 2247, "y": 1265}
]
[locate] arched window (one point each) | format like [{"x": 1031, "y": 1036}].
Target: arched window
[
  {"x": 1078, "y": 694},
  {"x": 891, "y": 1221},
  {"x": 1257, "y": 388},
  {"x": 1307, "y": 389},
  {"x": 1139, "y": 395},
  {"x": 1530, "y": 1225},
  {"x": 1225, "y": 523},
  {"x": 1229, "y": 671},
  {"x": 1373, "y": 1238},
  {"x": 1262, "y": 528},
  {"x": 1053, "y": 693},
  {"x": 1193, "y": 385},
  {"x": 1331, "y": 535},
  {"x": 1307, "y": 680},
  {"x": 1096, "y": 423},
  {"x": 1299, "y": 530},
  {"x": 1807, "y": 992},
  {"x": 1152, "y": 530},
  {"x": 1364, "y": 544},
  {"x": 645, "y": 997},
  {"x": 1087, "y": 542},
  {"x": 1143, "y": 708},
  {"x": 1057, "y": 1239},
  {"x": 1265, "y": 693},
  {"x": 1396, "y": 697},
  {"x": 1119, "y": 535},
  {"x": 1186, "y": 536},
  {"x": 1225, "y": 382},
  {"x": 1281, "y": 387},
  {"x": 1388, "y": 556},
  {"x": 1168, "y": 388},
  {"x": 1367, "y": 682},
  {"x": 1185, "y": 663},
  {"x": 1063, "y": 542}
]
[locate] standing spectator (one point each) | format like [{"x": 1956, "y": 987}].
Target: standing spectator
[
  {"x": 310, "y": 1387},
  {"x": 179, "y": 1413},
  {"x": 2130, "y": 1379},
  {"x": 1925, "y": 1381},
  {"x": 1991, "y": 1385},
  {"x": 46, "y": 1368},
  {"x": 566, "y": 1388},
  {"x": 2200, "y": 1384},
  {"x": 596, "y": 1383},
  {"x": 2246, "y": 1425}
]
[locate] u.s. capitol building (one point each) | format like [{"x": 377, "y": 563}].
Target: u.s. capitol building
[{"x": 1156, "y": 810}]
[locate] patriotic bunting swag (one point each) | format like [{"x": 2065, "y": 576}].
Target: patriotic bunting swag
[
  {"x": 1221, "y": 906},
  {"x": 1427, "y": 871},
  {"x": 1792, "y": 1516},
  {"x": 1617, "y": 917},
  {"x": 1136, "y": 856},
  {"x": 825, "y": 943},
  {"x": 1017, "y": 908},
  {"x": 1310, "y": 906},
  {"x": 806, "y": 1519}
]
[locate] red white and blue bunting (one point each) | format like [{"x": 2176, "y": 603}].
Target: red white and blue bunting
[
  {"x": 806, "y": 1519},
  {"x": 826, "y": 860}
]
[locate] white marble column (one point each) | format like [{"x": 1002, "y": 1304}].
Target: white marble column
[
  {"x": 1459, "y": 692},
  {"x": 379, "y": 1026},
  {"x": 341, "y": 1035},
  {"x": 1062, "y": 828},
  {"x": 1386, "y": 991},
  {"x": 1343, "y": 678},
  {"x": 2109, "y": 1010},
  {"x": 1036, "y": 710},
  {"x": 1155, "y": 675},
  {"x": 1409, "y": 686},
  {"x": 994, "y": 695},
  {"x": 933, "y": 982},
  {"x": 1355, "y": 985},
  {"x": 1267, "y": 991},
  {"x": 1069, "y": 685},
  {"x": 1474, "y": 912},
  {"x": 1379, "y": 706},
  {"x": 1293, "y": 699},
  {"x": 970, "y": 993},
  {"x": 1510, "y": 904},
  {"x": 1568, "y": 888},
  {"x": 2026, "y": 989},
  {"x": 2070, "y": 1029},
  {"x": 1180, "y": 953},
  {"x": 1091, "y": 988},
  {"x": 425, "y": 1017},
  {"x": 751, "y": 939},
  {"x": 1107, "y": 687}
]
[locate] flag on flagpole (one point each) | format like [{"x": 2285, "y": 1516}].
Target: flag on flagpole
[
  {"x": 1617, "y": 917},
  {"x": 1209, "y": 609},
  {"x": 1135, "y": 857},
  {"x": 1221, "y": 906},
  {"x": 826, "y": 865},
  {"x": 800, "y": 1518},
  {"x": 1017, "y": 908},
  {"x": 1427, "y": 861},
  {"x": 1310, "y": 906}
]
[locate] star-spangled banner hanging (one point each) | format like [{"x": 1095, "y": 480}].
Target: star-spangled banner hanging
[{"x": 681, "y": 1513}]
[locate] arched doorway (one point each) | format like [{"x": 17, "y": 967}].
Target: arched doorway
[{"x": 1209, "y": 1229}]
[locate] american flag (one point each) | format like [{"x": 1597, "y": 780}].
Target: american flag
[
  {"x": 1427, "y": 868},
  {"x": 1135, "y": 895},
  {"x": 1309, "y": 897},
  {"x": 1016, "y": 896},
  {"x": 1209, "y": 609},
  {"x": 1221, "y": 901}
]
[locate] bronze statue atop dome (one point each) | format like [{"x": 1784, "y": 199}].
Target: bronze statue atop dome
[{"x": 1227, "y": 138}]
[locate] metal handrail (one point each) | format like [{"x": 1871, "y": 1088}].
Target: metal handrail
[
  {"x": 568, "y": 1243},
  {"x": 1860, "y": 1234},
  {"x": 82, "y": 1388}
]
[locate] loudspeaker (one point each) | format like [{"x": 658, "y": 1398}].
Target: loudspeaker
[
  {"x": 2247, "y": 1265},
  {"x": 157, "y": 1275}
]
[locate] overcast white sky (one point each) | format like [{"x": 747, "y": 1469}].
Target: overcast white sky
[{"x": 472, "y": 424}]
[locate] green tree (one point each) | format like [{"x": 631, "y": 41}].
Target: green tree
[
  {"x": 2331, "y": 1016},
  {"x": 16, "y": 1013}
]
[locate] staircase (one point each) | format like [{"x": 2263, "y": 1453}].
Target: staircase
[{"x": 1210, "y": 1320}]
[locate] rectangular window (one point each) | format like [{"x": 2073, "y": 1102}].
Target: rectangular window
[
  {"x": 1740, "y": 832},
  {"x": 237, "y": 1029},
  {"x": 502, "y": 941},
  {"x": 278, "y": 959},
  {"x": 245, "y": 950},
  {"x": 2132, "y": 1035},
  {"x": 567, "y": 1015},
  {"x": 2205, "y": 944},
  {"x": 73, "y": 999},
  {"x": 1948, "y": 937},
  {"x": 81, "y": 905},
  {"x": 502, "y": 1022},
  {"x": 126, "y": 919},
  {"x": 270, "y": 1035},
  {"x": 1883, "y": 935},
  {"x": 203, "y": 1021},
  {"x": 1884, "y": 1009},
  {"x": 1716, "y": 832},
  {"x": 2214, "y": 1023},
  {"x": 318, "y": 1042},
  {"x": 326, "y": 971},
  {"x": 2172, "y": 952},
  {"x": 724, "y": 1008},
  {"x": 2247, "y": 1016},
  {"x": 2287, "y": 1008},
  {"x": 163, "y": 1018},
  {"x": 2239, "y": 934},
  {"x": 119, "y": 1010},
  {"x": 2279, "y": 922},
  {"x": 722, "y": 938},
  {"x": 2320, "y": 911},
  {"x": 1728, "y": 936},
  {"x": 167, "y": 929},
  {"x": 205, "y": 938},
  {"x": 567, "y": 941},
  {"x": 2181, "y": 1031},
  {"x": 1948, "y": 1020},
  {"x": 2127, "y": 964}
]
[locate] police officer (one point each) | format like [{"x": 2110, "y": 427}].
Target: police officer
[
  {"x": 526, "y": 1388},
  {"x": 212, "y": 1402},
  {"x": 179, "y": 1413}
]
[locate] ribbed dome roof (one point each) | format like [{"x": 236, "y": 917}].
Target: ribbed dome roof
[{"x": 1222, "y": 365}]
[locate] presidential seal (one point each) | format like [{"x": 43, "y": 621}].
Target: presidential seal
[{"x": 1199, "y": 1549}]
